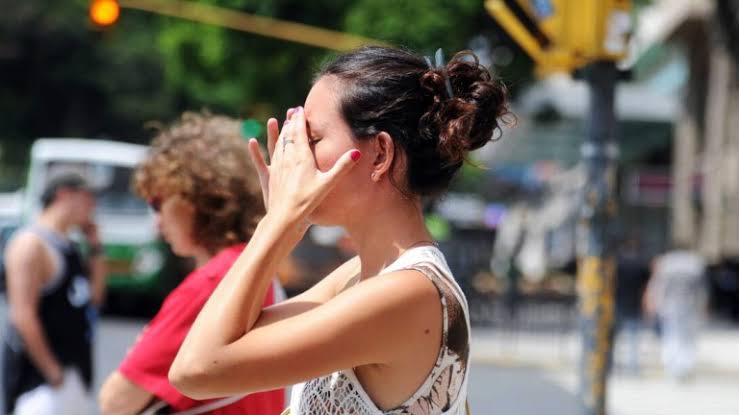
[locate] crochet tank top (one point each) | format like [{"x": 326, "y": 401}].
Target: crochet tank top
[{"x": 444, "y": 392}]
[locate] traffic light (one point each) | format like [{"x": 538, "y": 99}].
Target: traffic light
[
  {"x": 563, "y": 35},
  {"x": 597, "y": 29},
  {"x": 104, "y": 13}
]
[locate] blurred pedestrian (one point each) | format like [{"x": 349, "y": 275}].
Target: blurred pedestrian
[
  {"x": 53, "y": 292},
  {"x": 509, "y": 241},
  {"x": 205, "y": 192},
  {"x": 676, "y": 295},
  {"x": 388, "y": 331},
  {"x": 632, "y": 276}
]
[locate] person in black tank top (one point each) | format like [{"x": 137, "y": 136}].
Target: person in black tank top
[{"x": 50, "y": 296}]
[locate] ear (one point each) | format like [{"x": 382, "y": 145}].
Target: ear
[{"x": 384, "y": 149}]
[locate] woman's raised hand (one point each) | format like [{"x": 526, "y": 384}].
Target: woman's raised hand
[
  {"x": 273, "y": 132},
  {"x": 292, "y": 184}
]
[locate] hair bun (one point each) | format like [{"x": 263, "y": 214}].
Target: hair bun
[
  {"x": 469, "y": 119},
  {"x": 393, "y": 90}
]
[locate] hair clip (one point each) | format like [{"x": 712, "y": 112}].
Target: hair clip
[{"x": 441, "y": 65}]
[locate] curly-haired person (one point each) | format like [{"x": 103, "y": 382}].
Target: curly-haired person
[{"x": 205, "y": 192}]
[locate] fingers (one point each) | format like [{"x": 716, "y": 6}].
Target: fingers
[
  {"x": 273, "y": 133},
  {"x": 300, "y": 130},
  {"x": 255, "y": 152},
  {"x": 289, "y": 113},
  {"x": 342, "y": 166}
]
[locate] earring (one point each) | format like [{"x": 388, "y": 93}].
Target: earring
[{"x": 373, "y": 176}]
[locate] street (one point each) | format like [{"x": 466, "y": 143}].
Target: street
[{"x": 521, "y": 382}]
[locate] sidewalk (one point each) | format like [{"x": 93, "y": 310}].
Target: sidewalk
[
  {"x": 718, "y": 350},
  {"x": 508, "y": 366}
]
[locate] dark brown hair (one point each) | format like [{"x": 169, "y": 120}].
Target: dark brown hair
[
  {"x": 393, "y": 90},
  {"x": 203, "y": 159}
]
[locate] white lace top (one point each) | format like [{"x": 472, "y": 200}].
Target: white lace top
[{"x": 445, "y": 389}]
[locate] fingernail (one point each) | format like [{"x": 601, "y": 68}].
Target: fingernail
[
  {"x": 299, "y": 109},
  {"x": 355, "y": 155}
]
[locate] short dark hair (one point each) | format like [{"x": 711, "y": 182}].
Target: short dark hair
[
  {"x": 393, "y": 90},
  {"x": 72, "y": 181}
]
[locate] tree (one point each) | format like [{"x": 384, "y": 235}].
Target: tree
[{"x": 60, "y": 76}]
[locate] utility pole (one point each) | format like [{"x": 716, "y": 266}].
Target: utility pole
[
  {"x": 589, "y": 36},
  {"x": 596, "y": 263}
]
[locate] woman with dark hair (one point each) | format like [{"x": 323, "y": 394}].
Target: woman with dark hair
[
  {"x": 205, "y": 193},
  {"x": 387, "y": 332}
]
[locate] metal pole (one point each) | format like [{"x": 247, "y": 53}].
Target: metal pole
[
  {"x": 596, "y": 263},
  {"x": 260, "y": 25}
]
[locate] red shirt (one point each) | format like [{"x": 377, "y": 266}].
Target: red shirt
[{"x": 148, "y": 361}]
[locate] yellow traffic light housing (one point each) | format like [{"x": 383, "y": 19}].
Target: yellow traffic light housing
[
  {"x": 597, "y": 29},
  {"x": 104, "y": 13},
  {"x": 568, "y": 33}
]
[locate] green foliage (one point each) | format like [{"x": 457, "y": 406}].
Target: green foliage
[
  {"x": 242, "y": 73},
  {"x": 419, "y": 24},
  {"x": 59, "y": 76}
]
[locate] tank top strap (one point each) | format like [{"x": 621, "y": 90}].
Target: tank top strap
[
  {"x": 430, "y": 261},
  {"x": 428, "y": 270},
  {"x": 59, "y": 248},
  {"x": 51, "y": 238},
  {"x": 437, "y": 274},
  {"x": 432, "y": 265},
  {"x": 444, "y": 390}
]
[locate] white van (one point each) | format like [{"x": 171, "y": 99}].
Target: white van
[{"x": 139, "y": 263}]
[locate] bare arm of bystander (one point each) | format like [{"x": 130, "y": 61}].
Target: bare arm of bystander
[
  {"x": 28, "y": 265},
  {"x": 120, "y": 396},
  {"x": 98, "y": 268}
]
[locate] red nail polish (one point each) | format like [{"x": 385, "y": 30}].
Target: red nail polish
[{"x": 355, "y": 155}]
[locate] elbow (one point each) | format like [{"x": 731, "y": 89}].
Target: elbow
[
  {"x": 191, "y": 378},
  {"x": 111, "y": 399},
  {"x": 207, "y": 377},
  {"x": 106, "y": 402}
]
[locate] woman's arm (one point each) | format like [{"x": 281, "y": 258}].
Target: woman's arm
[
  {"x": 236, "y": 303},
  {"x": 120, "y": 396},
  {"x": 382, "y": 320},
  {"x": 295, "y": 188},
  {"x": 320, "y": 293},
  {"x": 234, "y": 347}
]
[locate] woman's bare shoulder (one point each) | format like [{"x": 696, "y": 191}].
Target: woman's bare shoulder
[{"x": 407, "y": 288}]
